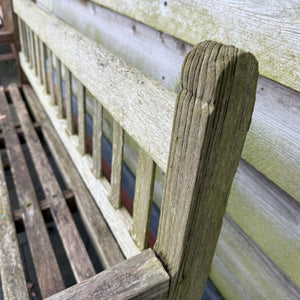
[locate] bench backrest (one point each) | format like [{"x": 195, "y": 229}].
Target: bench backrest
[{"x": 199, "y": 154}]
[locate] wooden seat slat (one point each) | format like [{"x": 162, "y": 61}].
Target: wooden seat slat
[
  {"x": 11, "y": 270},
  {"x": 46, "y": 267},
  {"x": 74, "y": 247},
  {"x": 104, "y": 243}
]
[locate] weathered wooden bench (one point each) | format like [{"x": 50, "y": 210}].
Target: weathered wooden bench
[{"x": 199, "y": 155}]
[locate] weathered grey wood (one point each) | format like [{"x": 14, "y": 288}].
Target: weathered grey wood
[
  {"x": 99, "y": 188},
  {"x": 69, "y": 103},
  {"x": 97, "y": 139},
  {"x": 116, "y": 165},
  {"x": 44, "y": 67},
  {"x": 23, "y": 37},
  {"x": 46, "y": 267},
  {"x": 144, "y": 184},
  {"x": 269, "y": 216},
  {"x": 105, "y": 245},
  {"x": 33, "y": 51},
  {"x": 212, "y": 116},
  {"x": 81, "y": 118},
  {"x": 37, "y": 56},
  {"x": 30, "y": 47},
  {"x": 11, "y": 267},
  {"x": 137, "y": 92},
  {"x": 75, "y": 249},
  {"x": 59, "y": 88},
  {"x": 214, "y": 19},
  {"x": 50, "y": 75},
  {"x": 241, "y": 270},
  {"x": 140, "y": 277},
  {"x": 275, "y": 124}
]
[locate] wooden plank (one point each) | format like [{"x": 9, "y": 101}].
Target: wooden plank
[
  {"x": 140, "y": 277},
  {"x": 69, "y": 103},
  {"x": 143, "y": 199},
  {"x": 29, "y": 46},
  {"x": 193, "y": 22},
  {"x": 117, "y": 163},
  {"x": 276, "y": 119},
  {"x": 50, "y": 75},
  {"x": 33, "y": 53},
  {"x": 97, "y": 138},
  {"x": 212, "y": 117},
  {"x": 46, "y": 267},
  {"x": 59, "y": 88},
  {"x": 269, "y": 216},
  {"x": 11, "y": 270},
  {"x": 241, "y": 270},
  {"x": 99, "y": 233},
  {"x": 81, "y": 118},
  {"x": 148, "y": 104},
  {"x": 75, "y": 249}
]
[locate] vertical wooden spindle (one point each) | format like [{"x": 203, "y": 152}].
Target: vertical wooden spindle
[
  {"x": 44, "y": 67},
  {"x": 145, "y": 175},
  {"x": 212, "y": 116},
  {"x": 23, "y": 38},
  {"x": 97, "y": 138},
  {"x": 59, "y": 88},
  {"x": 81, "y": 118},
  {"x": 32, "y": 48},
  {"x": 30, "y": 59},
  {"x": 37, "y": 57},
  {"x": 50, "y": 75},
  {"x": 69, "y": 102},
  {"x": 116, "y": 168}
]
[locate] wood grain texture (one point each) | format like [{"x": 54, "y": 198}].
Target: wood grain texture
[
  {"x": 138, "y": 92},
  {"x": 59, "y": 88},
  {"x": 50, "y": 75},
  {"x": 269, "y": 216},
  {"x": 116, "y": 165},
  {"x": 75, "y": 249},
  {"x": 46, "y": 267},
  {"x": 105, "y": 245},
  {"x": 273, "y": 140},
  {"x": 81, "y": 118},
  {"x": 144, "y": 184},
  {"x": 97, "y": 138},
  {"x": 212, "y": 116},
  {"x": 274, "y": 42},
  {"x": 241, "y": 270},
  {"x": 140, "y": 277},
  {"x": 11, "y": 267}
]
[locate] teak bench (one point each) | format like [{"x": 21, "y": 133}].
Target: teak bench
[{"x": 199, "y": 154}]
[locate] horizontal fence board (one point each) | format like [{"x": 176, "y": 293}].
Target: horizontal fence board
[
  {"x": 99, "y": 188},
  {"x": 244, "y": 264},
  {"x": 140, "y": 277},
  {"x": 269, "y": 216},
  {"x": 272, "y": 145},
  {"x": 270, "y": 30}
]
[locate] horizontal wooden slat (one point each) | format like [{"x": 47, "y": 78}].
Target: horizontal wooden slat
[
  {"x": 269, "y": 30},
  {"x": 240, "y": 270},
  {"x": 75, "y": 249},
  {"x": 269, "y": 216},
  {"x": 140, "y": 277},
  {"x": 276, "y": 117},
  {"x": 46, "y": 267},
  {"x": 118, "y": 79},
  {"x": 11, "y": 267},
  {"x": 103, "y": 241}
]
